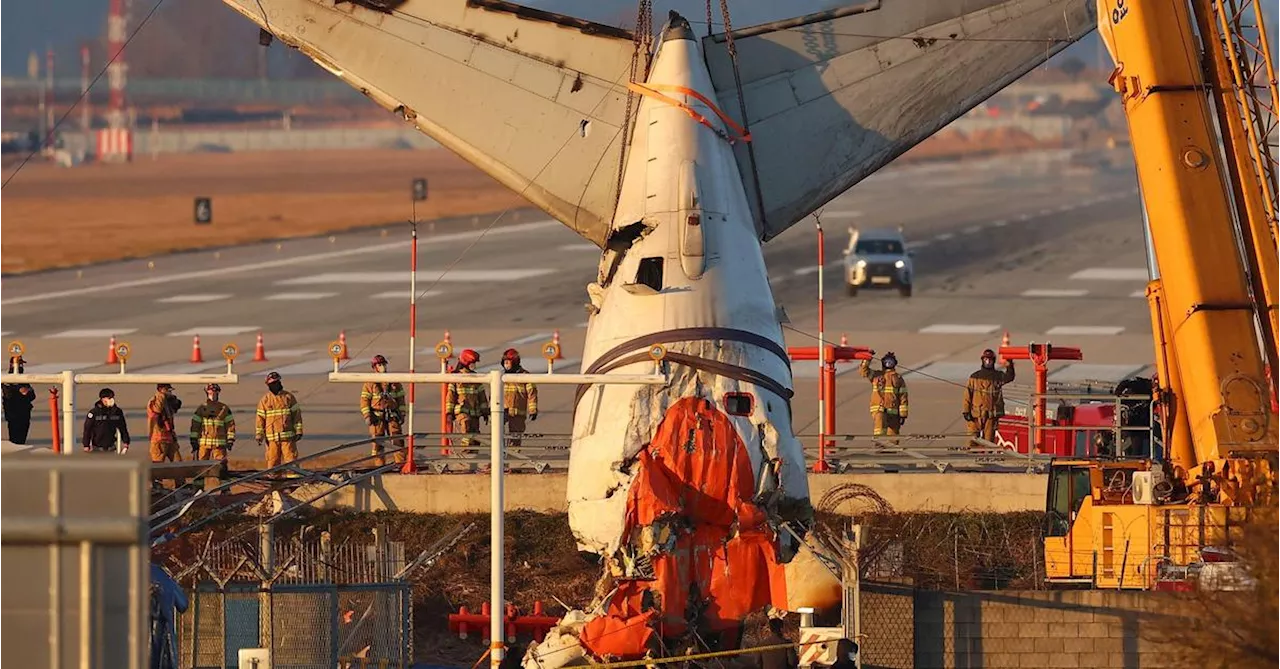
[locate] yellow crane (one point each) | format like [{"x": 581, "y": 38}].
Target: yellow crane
[{"x": 1198, "y": 85}]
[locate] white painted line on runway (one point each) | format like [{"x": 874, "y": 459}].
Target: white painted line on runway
[
  {"x": 999, "y": 223},
  {"x": 455, "y": 276},
  {"x": 289, "y": 352},
  {"x": 813, "y": 269},
  {"x": 841, "y": 214},
  {"x": 1053, "y": 292},
  {"x": 215, "y": 331},
  {"x": 1045, "y": 212},
  {"x": 954, "y": 328},
  {"x": 583, "y": 324},
  {"x": 1024, "y": 217},
  {"x": 223, "y": 272},
  {"x": 529, "y": 339},
  {"x": 91, "y": 334},
  {"x": 1085, "y": 330},
  {"x": 299, "y": 296},
  {"x": 918, "y": 245},
  {"x": 955, "y": 372},
  {"x": 580, "y": 247},
  {"x": 1065, "y": 208},
  {"x": 1090, "y": 372},
  {"x": 55, "y": 367},
  {"x": 944, "y": 237},
  {"x": 5, "y": 333},
  {"x": 183, "y": 299},
  {"x": 971, "y": 229},
  {"x": 404, "y": 294},
  {"x": 1139, "y": 293},
  {"x": 1111, "y": 274}
]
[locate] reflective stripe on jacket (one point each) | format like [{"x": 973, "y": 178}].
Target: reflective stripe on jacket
[
  {"x": 160, "y": 418},
  {"x": 467, "y": 399},
  {"x": 212, "y": 425},
  {"x": 377, "y": 399},
  {"x": 279, "y": 417},
  {"x": 888, "y": 390},
  {"x": 519, "y": 399},
  {"x": 984, "y": 394}
]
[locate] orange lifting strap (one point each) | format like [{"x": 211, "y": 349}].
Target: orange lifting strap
[{"x": 651, "y": 90}]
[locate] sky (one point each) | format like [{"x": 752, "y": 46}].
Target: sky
[{"x": 27, "y": 25}]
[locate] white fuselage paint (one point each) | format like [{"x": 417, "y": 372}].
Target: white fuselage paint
[{"x": 671, "y": 156}]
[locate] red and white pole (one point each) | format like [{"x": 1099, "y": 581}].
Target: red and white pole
[
  {"x": 411, "y": 467},
  {"x": 116, "y": 36},
  {"x": 821, "y": 464},
  {"x": 51, "y": 117},
  {"x": 86, "y": 116}
]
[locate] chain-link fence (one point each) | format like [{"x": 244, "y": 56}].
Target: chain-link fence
[{"x": 308, "y": 603}]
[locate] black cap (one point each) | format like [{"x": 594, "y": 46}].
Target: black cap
[{"x": 105, "y": 393}]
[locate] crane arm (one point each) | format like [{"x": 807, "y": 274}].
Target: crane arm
[{"x": 1209, "y": 327}]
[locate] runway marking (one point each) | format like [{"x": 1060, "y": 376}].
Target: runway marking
[
  {"x": 955, "y": 372},
  {"x": 1139, "y": 293},
  {"x": 919, "y": 245},
  {"x": 309, "y": 367},
  {"x": 1111, "y": 274},
  {"x": 952, "y": 328},
  {"x": 999, "y": 223},
  {"x": 455, "y": 276},
  {"x": 55, "y": 367},
  {"x": 971, "y": 229},
  {"x": 223, "y": 272},
  {"x": 841, "y": 214},
  {"x": 1093, "y": 372},
  {"x": 1066, "y": 207},
  {"x": 91, "y": 334},
  {"x": 1024, "y": 217},
  {"x": 404, "y": 294},
  {"x": 299, "y": 296},
  {"x": 215, "y": 330},
  {"x": 808, "y": 369},
  {"x": 583, "y": 324},
  {"x": 813, "y": 269},
  {"x": 580, "y": 247},
  {"x": 1085, "y": 330},
  {"x": 1053, "y": 292},
  {"x": 183, "y": 299},
  {"x": 944, "y": 237},
  {"x": 1045, "y": 212},
  {"x": 529, "y": 339},
  {"x": 289, "y": 352}
]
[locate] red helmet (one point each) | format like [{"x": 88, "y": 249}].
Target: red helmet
[
  {"x": 988, "y": 353},
  {"x": 378, "y": 360},
  {"x": 512, "y": 355},
  {"x": 468, "y": 357},
  {"x": 213, "y": 388},
  {"x": 272, "y": 377}
]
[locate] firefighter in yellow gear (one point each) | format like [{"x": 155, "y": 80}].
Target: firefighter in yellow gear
[
  {"x": 466, "y": 404},
  {"x": 984, "y": 397},
  {"x": 279, "y": 423},
  {"x": 213, "y": 427},
  {"x": 161, "y": 414},
  {"x": 382, "y": 407},
  {"x": 889, "y": 406},
  {"x": 519, "y": 400}
]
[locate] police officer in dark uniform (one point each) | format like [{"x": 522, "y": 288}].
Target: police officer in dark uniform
[
  {"x": 102, "y": 423},
  {"x": 19, "y": 398}
]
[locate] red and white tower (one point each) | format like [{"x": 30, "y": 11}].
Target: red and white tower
[
  {"x": 115, "y": 142},
  {"x": 86, "y": 113}
]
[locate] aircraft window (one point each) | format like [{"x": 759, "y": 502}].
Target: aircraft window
[
  {"x": 650, "y": 273},
  {"x": 738, "y": 404}
]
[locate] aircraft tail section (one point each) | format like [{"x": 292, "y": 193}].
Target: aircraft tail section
[
  {"x": 536, "y": 100},
  {"x": 832, "y": 97}
]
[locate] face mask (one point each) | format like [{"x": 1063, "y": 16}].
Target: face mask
[
  {"x": 988, "y": 363},
  {"x": 108, "y": 401},
  {"x": 275, "y": 387},
  {"x": 213, "y": 397}
]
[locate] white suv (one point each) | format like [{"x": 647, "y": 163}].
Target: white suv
[{"x": 877, "y": 258}]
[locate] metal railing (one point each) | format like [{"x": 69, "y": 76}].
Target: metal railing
[{"x": 1117, "y": 430}]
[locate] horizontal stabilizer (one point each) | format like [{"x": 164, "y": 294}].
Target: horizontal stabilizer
[
  {"x": 536, "y": 100},
  {"x": 834, "y": 96}
]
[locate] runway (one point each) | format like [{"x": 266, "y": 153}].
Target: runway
[{"x": 1031, "y": 244}]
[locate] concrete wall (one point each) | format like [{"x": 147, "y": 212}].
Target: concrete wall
[
  {"x": 469, "y": 493},
  {"x": 929, "y": 629}
]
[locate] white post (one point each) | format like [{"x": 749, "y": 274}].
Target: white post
[
  {"x": 68, "y": 412},
  {"x": 497, "y": 599}
]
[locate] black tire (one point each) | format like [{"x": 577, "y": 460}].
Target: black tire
[
  {"x": 851, "y": 289},
  {"x": 905, "y": 291}
]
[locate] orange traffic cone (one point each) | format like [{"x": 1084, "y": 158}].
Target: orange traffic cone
[
  {"x": 195, "y": 350},
  {"x": 112, "y": 358},
  {"x": 259, "y": 350},
  {"x": 342, "y": 343},
  {"x": 555, "y": 339},
  {"x": 1004, "y": 343}
]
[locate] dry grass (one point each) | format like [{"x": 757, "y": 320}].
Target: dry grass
[{"x": 57, "y": 217}]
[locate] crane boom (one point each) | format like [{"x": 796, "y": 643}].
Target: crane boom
[{"x": 1130, "y": 518}]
